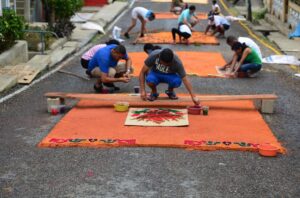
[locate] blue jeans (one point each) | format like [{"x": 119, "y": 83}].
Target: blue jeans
[
  {"x": 173, "y": 80},
  {"x": 251, "y": 67}
]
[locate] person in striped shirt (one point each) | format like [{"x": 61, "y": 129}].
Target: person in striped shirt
[{"x": 87, "y": 56}]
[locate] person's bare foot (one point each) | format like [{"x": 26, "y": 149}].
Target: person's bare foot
[{"x": 174, "y": 43}]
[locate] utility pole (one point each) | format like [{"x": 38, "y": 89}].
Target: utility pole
[{"x": 249, "y": 10}]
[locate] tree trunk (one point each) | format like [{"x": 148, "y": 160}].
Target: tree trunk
[{"x": 249, "y": 10}]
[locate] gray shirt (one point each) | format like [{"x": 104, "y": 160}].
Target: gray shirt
[{"x": 175, "y": 68}]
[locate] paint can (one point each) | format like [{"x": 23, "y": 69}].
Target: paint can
[
  {"x": 56, "y": 109},
  {"x": 194, "y": 110},
  {"x": 205, "y": 110},
  {"x": 136, "y": 89},
  {"x": 121, "y": 106},
  {"x": 54, "y": 102}
]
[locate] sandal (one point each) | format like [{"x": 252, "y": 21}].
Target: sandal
[
  {"x": 171, "y": 95},
  {"x": 153, "y": 96}
]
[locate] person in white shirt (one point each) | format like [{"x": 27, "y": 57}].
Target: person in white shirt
[
  {"x": 231, "y": 40},
  {"x": 248, "y": 41},
  {"x": 215, "y": 8},
  {"x": 221, "y": 24},
  {"x": 144, "y": 15},
  {"x": 183, "y": 31}
]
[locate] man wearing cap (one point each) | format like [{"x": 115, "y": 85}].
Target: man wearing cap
[
  {"x": 163, "y": 66},
  {"x": 221, "y": 24},
  {"x": 104, "y": 65},
  {"x": 144, "y": 15}
]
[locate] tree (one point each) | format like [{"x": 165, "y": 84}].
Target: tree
[{"x": 59, "y": 13}]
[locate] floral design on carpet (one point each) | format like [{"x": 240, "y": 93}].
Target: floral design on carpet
[{"x": 157, "y": 117}]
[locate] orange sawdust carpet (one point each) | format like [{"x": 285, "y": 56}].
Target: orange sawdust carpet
[
  {"x": 229, "y": 126},
  {"x": 197, "y": 63},
  {"x": 166, "y": 37},
  {"x": 170, "y": 15}
]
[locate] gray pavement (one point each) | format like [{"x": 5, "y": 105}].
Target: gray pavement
[{"x": 28, "y": 171}]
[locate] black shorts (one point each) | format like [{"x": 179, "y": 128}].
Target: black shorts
[{"x": 226, "y": 27}]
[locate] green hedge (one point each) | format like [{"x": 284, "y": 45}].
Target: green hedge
[{"x": 11, "y": 29}]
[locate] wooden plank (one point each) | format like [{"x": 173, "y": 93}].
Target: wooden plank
[
  {"x": 136, "y": 98},
  {"x": 24, "y": 73}
]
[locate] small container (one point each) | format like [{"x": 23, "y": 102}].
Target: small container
[
  {"x": 205, "y": 110},
  {"x": 194, "y": 110},
  {"x": 267, "y": 150},
  {"x": 136, "y": 89},
  {"x": 54, "y": 109},
  {"x": 121, "y": 106}
]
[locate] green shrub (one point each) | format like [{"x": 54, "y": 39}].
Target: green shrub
[
  {"x": 259, "y": 14},
  {"x": 63, "y": 10},
  {"x": 11, "y": 29}
]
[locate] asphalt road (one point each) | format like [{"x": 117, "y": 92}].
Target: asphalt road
[{"x": 28, "y": 171}]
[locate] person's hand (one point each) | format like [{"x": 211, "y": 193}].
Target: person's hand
[
  {"x": 231, "y": 75},
  {"x": 143, "y": 95},
  {"x": 193, "y": 29},
  {"x": 127, "y": 75},
  {"x": 196, "y": 100},
  {"x": 125, "y": 79}
]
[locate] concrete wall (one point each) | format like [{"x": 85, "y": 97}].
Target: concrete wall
[
  {"x": 16, "y": 54},
  {"x": 293, "y": 15}
]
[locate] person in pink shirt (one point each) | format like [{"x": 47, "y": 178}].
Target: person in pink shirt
[{"x": 87, "y": 56}]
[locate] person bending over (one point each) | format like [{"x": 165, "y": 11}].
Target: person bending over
[
  {"x": 143, "y": 15},
  {"x": 183, "y": 31},
  {"x": 249, "y": 63},
  {"x": 188, "y": 17}
]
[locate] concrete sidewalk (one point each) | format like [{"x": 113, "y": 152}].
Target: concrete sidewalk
[
  {"x": 102, "y": 16},
  {"x": 275, "y": 31}
]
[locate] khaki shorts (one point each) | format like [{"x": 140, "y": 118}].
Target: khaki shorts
[{"x": 120, "y": 68}]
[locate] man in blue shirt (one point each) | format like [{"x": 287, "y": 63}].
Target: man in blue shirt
[
  {"x": 188, "y": 18},
  {"x": 104, "y": 65}
]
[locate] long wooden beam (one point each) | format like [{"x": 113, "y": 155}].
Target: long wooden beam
[{"x": 136, "y": 98}]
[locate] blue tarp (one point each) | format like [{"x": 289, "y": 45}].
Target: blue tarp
[{"x": 296, "y": 33}]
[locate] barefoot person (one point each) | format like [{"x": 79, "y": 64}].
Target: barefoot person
[
  {"x": 104, "y": 65},
  {"x": 164, "y": 67},
  {"x": 144, "y": 15},
  {"x": 183, "y": 31}
]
